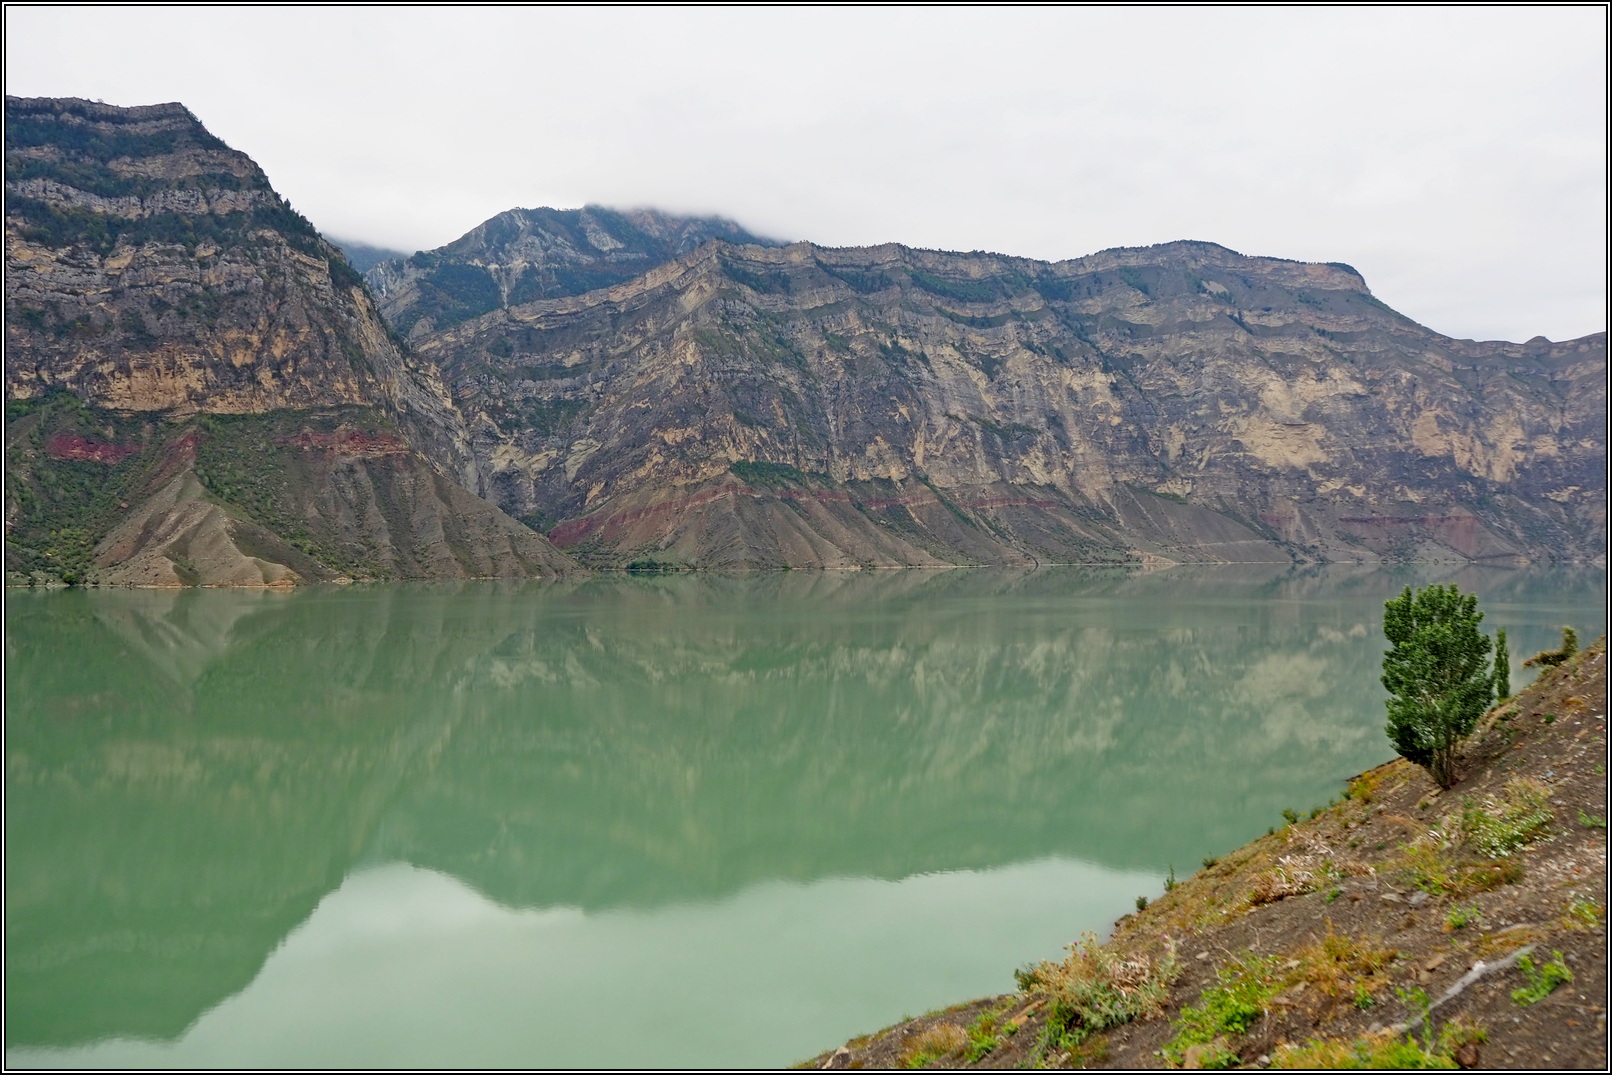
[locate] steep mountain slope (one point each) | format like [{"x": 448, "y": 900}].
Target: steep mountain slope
[
  {"x": 153, "y": 277},
  {"x": 810, "y": 406},
  {"x": 527, "y": 254}
]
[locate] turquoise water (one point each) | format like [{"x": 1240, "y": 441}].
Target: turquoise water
[{"x": 669, "y": 821}]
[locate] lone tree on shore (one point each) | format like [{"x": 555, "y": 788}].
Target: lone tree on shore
[{"x": 1438, "y": 675}]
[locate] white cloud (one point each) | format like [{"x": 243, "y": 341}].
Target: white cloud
[{"x": 1456, "y": 156}]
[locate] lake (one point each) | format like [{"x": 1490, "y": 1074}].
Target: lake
[{"x": 646, "y": 821}]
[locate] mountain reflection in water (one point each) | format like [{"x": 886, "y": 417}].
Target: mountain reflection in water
[{"x": 190, "y": 774}]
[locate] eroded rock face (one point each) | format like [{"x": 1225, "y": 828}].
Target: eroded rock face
[
  {"x": 814, "y": 406},
  {"x": 152, "y": 270}
]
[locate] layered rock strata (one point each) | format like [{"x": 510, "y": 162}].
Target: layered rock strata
[{"x": 808, "y": 406}]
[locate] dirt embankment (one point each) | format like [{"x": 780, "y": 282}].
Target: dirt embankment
[{"x": 1398, "y": 927}]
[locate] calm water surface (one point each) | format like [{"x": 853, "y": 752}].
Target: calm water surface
[{"x": 628, "y": 821}]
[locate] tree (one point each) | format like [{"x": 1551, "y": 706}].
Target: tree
[
  {"x": 1502, "y": 667},
  {"x": 1437, "y": 673}
]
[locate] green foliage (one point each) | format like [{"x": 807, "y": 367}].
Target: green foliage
[
  {"x": 1437, "y": 673},
  {"x": 1542, "y": 979},
  {"x": 1141, "y": 903},
  {"x": 1502, "y": 666},
  {"x": 1245, "y": 991},
  {"x": 1584, "y": 912},
  {"x": 1170, "y": 881},
  {"x": 1290, "y": 816},
  {"x": 1459, "y": 917},
  {"x": 1590, "y": 821}
]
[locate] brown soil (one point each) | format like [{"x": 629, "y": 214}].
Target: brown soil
[{"x": 1390, "y": 869}]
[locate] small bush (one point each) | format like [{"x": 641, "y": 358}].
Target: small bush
[
  {"x": 1497, "y": 827},
  {"x": 1094, "y": 989},
  {"x": 1459, "y": 917}
]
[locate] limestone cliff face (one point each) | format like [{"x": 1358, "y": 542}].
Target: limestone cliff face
[
  {"x": 814, "y": 406},
  {"x": 527, "y": 254},
  {"x": 151, "y": 269}
]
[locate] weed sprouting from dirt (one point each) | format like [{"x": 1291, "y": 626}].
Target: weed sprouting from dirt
[
  {"x": 1246, "y": 987},
  {"x": 1543, "y": 978}
]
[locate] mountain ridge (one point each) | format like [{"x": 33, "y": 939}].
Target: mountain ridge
[
  {"x": 651, "y": 389},
  {"x": 1303, "y": 334}
]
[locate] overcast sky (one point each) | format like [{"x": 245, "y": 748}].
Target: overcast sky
[{"x": 1456, "y": 157}]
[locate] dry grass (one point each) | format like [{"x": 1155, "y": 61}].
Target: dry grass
[
  {"x": 1337, "y": 966},
  {"x": 1506, "y": 941},
  {"x": 1380, "y": 1050},
  {"x": 934, "y": 1043}
]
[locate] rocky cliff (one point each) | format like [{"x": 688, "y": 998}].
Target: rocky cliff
[
  {"x": 154, "y": 277},
  {"x": 806, "y": 406}
]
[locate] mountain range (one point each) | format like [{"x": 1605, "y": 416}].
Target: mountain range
[{"x": 202, "y": 389}]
